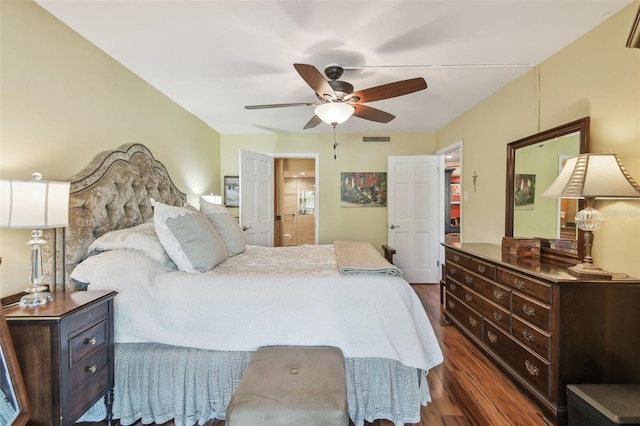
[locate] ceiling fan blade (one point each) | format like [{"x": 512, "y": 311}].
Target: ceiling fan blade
[
  {"x": 372, "y": 114},
  {"x": 315, "y": 80},
  {"x": 281, "y": 105},
  {"x": 390, "y": 90},
  {"x": 315, "y": 120}
]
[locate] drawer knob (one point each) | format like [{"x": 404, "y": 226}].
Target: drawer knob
[
  {"x": 469, "y": 280},
  {"x": 451, "y": 304},
  {"x": 519, "y": 283},
  {"x": 91, "y": 341},
  {"x": 529, "y": 337},
  {"x": 482, "y": 269},
  {"x": 528, "y": 310},
  {"x": 456, "y": 258},
  {"x": 468, "y": 297},
  {"x": 452, "y": 271},
  {"x": 452, "y": 286},
  {"x": 492, "y": 337},
  {"x": 473, "y": 322},
  {"x": 497, "y": 316},
  {"x": 92, "y": 369},
  {"x": 532, "y": 369},
  {"x": 498, "y": 294}
]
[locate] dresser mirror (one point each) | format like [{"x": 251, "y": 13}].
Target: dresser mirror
[
  {"x": 13, "y": 395},
  {"x": 533, "y": 163}
]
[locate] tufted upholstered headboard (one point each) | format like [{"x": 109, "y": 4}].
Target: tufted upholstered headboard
[{"x": 113, "y": 192}]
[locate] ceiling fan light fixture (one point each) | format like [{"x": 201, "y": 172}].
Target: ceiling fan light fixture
[{"x": 334, "y": 113}]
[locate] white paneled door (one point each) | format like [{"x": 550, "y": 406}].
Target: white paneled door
[
  {"x": 414, "y": 215},
  {"x": 256, "y": 197}
]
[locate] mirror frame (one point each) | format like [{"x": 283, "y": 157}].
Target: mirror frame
[
  {"x": 581, "y": 125},
  {"x": 13, "y": 369}
]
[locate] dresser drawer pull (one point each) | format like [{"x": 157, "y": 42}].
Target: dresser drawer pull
[
  {"x": 497, "y": 316},
  {"x": 92, "y": 369},
  {"x": 518, "y": 283},
  {"x": 473, "y": 322},
  {"x": 532, "y": 369},
  {"x": 529, "y": 337},
  {"x": 482, "y": 269},
  {"x": 453, "y": 271},
  {"x": 528, "y": 310},
  {"x": 452, "y": 286},
  {"x": 469, "y": 280},
  {"x": 456, "y": 258},
  {"x": 498, "y": 294},
  {"x": 468, "y": 297},
  {"x": 91, "y": 341},
  {"x": 451, "y": 304},
  {"x": 492, "y": 337}
]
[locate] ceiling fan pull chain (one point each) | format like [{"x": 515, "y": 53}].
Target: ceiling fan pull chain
[{"x": 335, "y": 144}]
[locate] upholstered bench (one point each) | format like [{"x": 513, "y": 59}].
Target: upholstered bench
[{"x": 291, "y": 385}]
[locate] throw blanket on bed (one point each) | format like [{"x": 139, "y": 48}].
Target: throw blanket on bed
[{"x": 356, "y": 257}]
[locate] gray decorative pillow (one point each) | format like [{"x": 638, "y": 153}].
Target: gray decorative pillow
[
  {"x": 226, "y": 225},
  {"x": 188, "y": 237}
]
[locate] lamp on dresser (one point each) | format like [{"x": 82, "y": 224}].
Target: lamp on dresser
[
  {"x": 590, "y": 177},
  {"x": 34, "y": 204}
]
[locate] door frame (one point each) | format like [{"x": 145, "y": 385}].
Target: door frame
[
  {"x": 443, "y": 151},
  {"x": 316, "y": 157}
]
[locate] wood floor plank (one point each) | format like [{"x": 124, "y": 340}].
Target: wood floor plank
[{"x": 466, "y": 389}]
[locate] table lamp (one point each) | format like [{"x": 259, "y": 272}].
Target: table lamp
[
  {"x": 589, "y": 177},
  {"x": 34, "y": 204}
]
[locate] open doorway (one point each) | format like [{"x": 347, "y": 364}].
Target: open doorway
[
  {"x": 452, "y": 191},
  {"x": 296, "y": 200}
]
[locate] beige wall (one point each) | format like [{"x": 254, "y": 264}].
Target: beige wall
[
  {"x": 595, "y": 76},
  {"x": 63, "y": 101},
  {"x": 364, "y": 224}
]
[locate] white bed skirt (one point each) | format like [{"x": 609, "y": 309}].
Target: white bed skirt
[{"x": 156, "y": 383}]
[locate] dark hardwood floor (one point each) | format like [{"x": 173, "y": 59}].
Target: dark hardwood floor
[{"x": 466, "y": 389}]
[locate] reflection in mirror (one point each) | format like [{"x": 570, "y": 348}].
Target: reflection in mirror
[
  {"x": 13, "y": 395},
  {"x": 533, "y": 163}
]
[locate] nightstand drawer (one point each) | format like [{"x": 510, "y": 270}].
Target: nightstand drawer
[
  {"x": 84, "y": 397},
  {"x": 86, "y": 317},
  {"x": 88, "y": 342},
  {"x": 88, "y": 369}
]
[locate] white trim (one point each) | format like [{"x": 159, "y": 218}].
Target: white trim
[{"x": 453, "y": 147}]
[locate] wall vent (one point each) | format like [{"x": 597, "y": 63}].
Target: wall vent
[{"x": 376, "y": 139}]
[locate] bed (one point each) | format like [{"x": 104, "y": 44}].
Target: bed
[{"x": 191, "y": 327}]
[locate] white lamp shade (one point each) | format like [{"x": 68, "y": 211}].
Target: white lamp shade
[
  {"x": 34, "y": 204},
  {"x": 334, "y": 112},
  {"x": 212, "y": 198},
  {"x": 593, "y": 176}
]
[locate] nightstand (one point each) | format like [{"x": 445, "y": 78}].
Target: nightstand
[{"x": 65, "y": 352}]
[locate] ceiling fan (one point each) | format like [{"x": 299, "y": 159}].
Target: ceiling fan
[{"x": 337, "y": 101}]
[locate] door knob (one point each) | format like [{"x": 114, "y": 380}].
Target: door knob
[
  {"x": 394, "y": 227},
  {"x": 244, "y": 228}
]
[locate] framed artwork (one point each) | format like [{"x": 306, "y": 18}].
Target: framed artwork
[
  {"x": 524, "y": 192},
  {"x": 363, "y": 189},
  {"x": 455, "y": 192},
  {"x": 232, "y": 191}
]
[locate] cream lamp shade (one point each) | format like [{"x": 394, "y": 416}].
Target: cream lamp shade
[{"x": 334, "y": 113}]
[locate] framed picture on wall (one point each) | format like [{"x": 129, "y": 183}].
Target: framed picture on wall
[
  {"x": 524, "y": 191},
  {"x": 232, "y": 191},
  {"x": 455, "y": 193},
  {"x": 363, "y": 189}
]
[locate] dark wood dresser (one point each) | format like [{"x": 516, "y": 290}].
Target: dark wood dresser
[
  {"x": 65, "y": 352},
  {"x": 543, "y": 327}
]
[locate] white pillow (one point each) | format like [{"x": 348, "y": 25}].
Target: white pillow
[
  {"x": 141, "y": 238},
  {"x": 188, "y": 237},
  {"x": 226, "y": 225}
]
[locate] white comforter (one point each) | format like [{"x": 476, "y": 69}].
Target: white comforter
[{"x": 300, "y": 299}]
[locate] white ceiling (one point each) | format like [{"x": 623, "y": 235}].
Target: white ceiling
[{"x": 215, "y": 57}]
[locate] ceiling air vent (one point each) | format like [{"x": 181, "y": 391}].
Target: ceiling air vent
[{"x": 376, "y": 139}]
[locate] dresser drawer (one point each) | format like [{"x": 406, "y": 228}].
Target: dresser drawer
[
  {"x": 469, "y": 319},
  {"x": 483, "y": 268},
  {"x": 531, "y": 367},
  {"x": 532, "y": 337},
  {"x": 524, "y": 284},
  {"x": 459, "y": 258},
  {"x": 453, "y": 287},
  {"x": 496, "y": 293},
  {"x": 490, "y": 310},
  {"x": 455, "y": 271},
  {"x": 531, "y": 311},
  {"x": 87, "y": 342}
]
